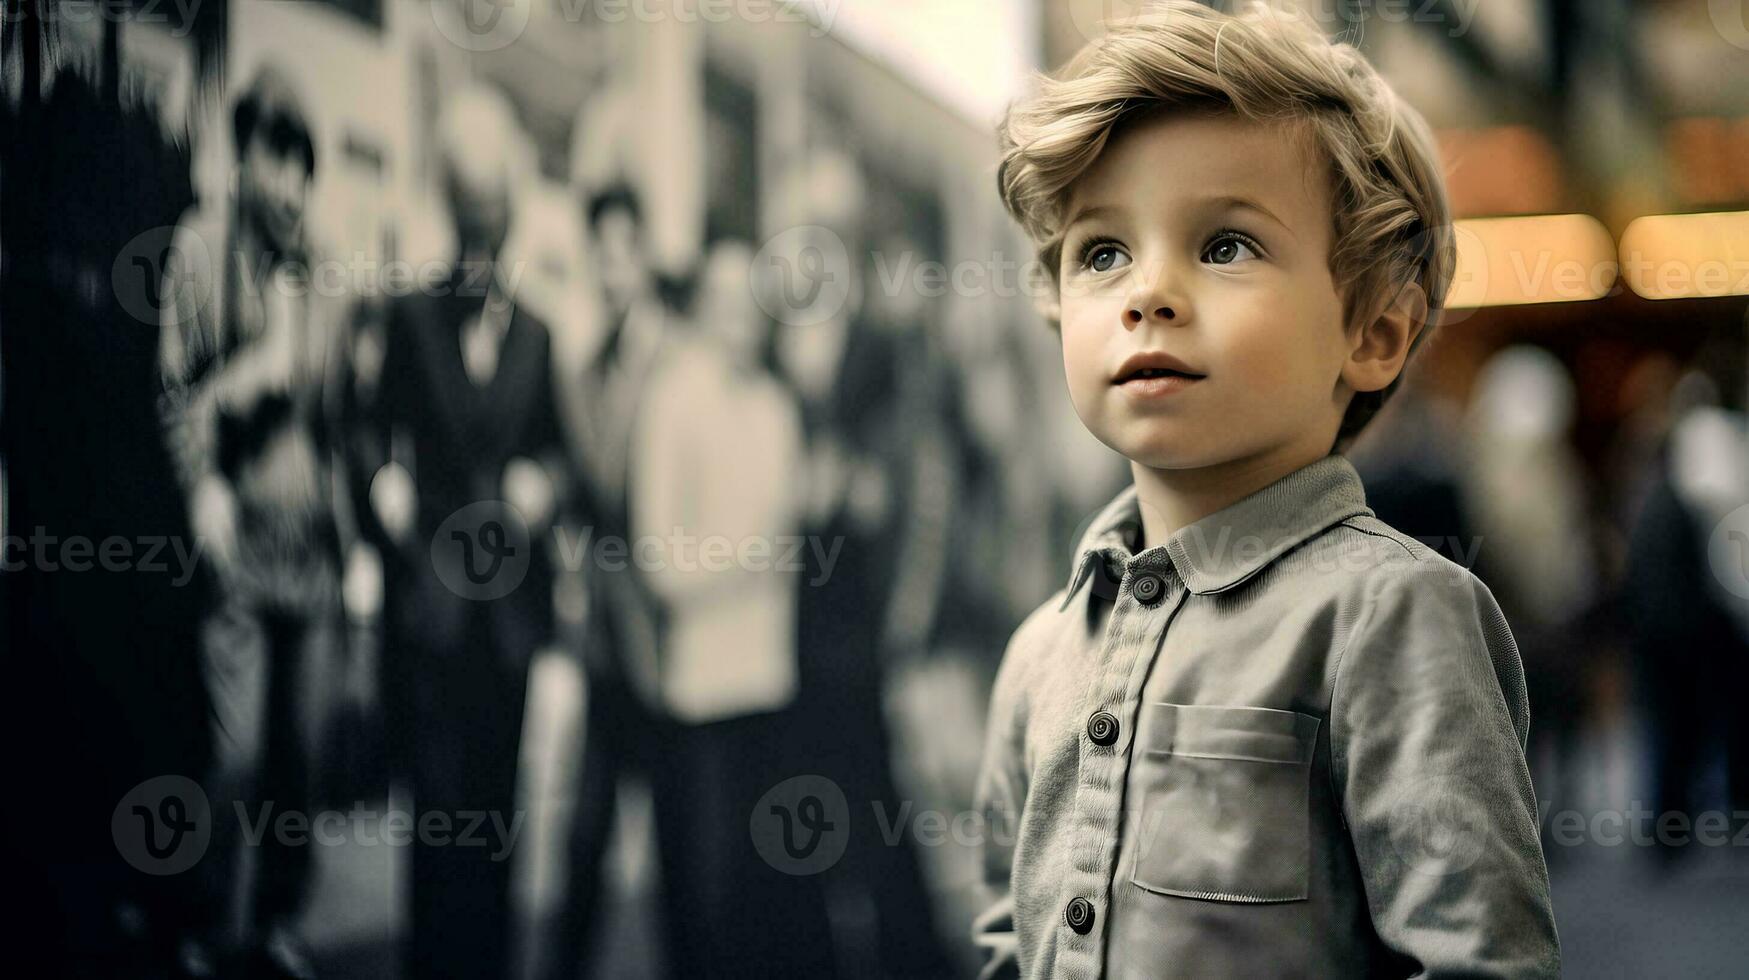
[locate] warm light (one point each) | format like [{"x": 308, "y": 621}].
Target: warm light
[
  {"x": 1551, "y": 258},
  {"x": 1678, "y": 256}
]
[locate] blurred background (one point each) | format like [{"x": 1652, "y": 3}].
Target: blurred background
[{"x": 647, "y": 630}]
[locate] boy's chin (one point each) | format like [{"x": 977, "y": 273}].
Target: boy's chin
[{"x": 1166, "y": 452}]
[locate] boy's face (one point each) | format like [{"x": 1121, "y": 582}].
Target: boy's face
[{"x": 1206, "y": 238}]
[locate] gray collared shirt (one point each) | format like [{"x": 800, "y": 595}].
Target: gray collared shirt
[{"x": 1289, "y": 742}]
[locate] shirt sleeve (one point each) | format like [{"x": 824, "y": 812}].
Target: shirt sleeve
[
  {"x": 999, "y": 797},
  {"x": 1429, "y": 721}
]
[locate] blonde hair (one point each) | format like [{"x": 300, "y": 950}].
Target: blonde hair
[{"x": 1392, "y": 222}]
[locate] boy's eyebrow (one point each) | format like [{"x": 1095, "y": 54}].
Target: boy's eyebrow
[
  {"x": 1096, "y": 211},
  {"x": 1237, "y": 201},
  {"x": 1222, "y": 201}
]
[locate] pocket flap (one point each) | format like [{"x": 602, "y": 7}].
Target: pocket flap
[{"x": 1232, "y": 732}]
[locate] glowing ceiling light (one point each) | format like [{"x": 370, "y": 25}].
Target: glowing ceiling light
[
  {"x": 1550, "y": 258},
  {"x": 1681, "y": 256}
]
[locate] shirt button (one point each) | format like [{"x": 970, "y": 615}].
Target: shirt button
[
  {"x": 1079, "y": 915},
  {"x": 1102, "y": 728},
  {"x": 1148, "y": 588}
]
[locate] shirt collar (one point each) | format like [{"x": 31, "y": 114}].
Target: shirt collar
[{"x": 1232, "y": 544}]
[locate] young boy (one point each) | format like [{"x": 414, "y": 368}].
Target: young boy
[{"x": 1260, "y": 733}]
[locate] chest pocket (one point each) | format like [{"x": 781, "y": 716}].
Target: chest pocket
[{"x": 1225, "y": 806}]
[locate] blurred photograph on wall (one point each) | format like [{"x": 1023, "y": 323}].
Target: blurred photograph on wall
[{"x": 547, "y": 489}]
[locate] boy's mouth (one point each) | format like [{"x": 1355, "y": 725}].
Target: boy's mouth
[
  {"x": 1150, "y": 365},
  {"x": 1145, "y": 373}
]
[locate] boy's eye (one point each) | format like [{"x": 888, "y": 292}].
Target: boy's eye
[
  {"x": 1229, "y": 248},
  {"x": 1104, "y": 257}
]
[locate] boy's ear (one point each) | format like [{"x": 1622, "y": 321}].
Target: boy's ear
[{"x": 1381, "y": 345}]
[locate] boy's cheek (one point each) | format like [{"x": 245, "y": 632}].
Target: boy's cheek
[
  {"x": 1087, "y": 327},
  {"x": 1090, "y": 393},
  {"x": 1085, "y": 372},
  {"x": 1080, "y": 342},
  {"x": 1083, "y": 394}
]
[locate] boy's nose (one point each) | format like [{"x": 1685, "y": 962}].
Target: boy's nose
[{"x": 1156, "y": 297}]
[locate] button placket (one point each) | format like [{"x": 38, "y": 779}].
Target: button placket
[{"x": 1131, "y": 633}]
